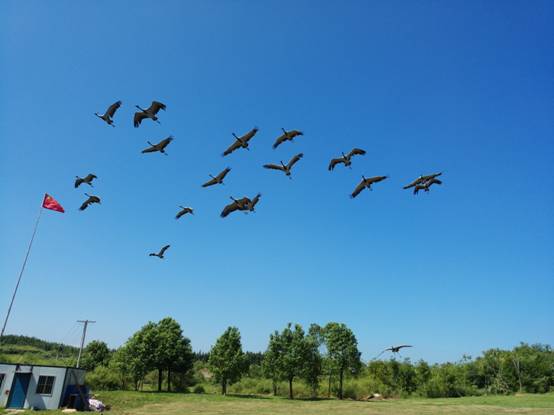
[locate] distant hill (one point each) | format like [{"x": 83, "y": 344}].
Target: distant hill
[{"x": 24, "y": 349}]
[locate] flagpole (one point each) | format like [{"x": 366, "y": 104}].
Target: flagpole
[{"x": 21, "y": 272}]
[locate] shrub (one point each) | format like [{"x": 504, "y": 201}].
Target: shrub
[{"x": 198, "y": 389}]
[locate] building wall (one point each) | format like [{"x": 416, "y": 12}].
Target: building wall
[{"x": 34, "y": 400}]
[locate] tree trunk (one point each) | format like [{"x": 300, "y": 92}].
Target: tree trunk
[
  {"x": 224, "y": 387},
  {"x": 160, "y": 380},
  {"x": 169, "y": 379},
  {"x": 329, "y": 390},
  {"x": 340, "y": 383},
  {"x": 274, "y": 387},
  {"x": 291, "y": 395}
]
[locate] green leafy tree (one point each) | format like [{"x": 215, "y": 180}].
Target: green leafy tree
[
  {"x": 270, "y": 364},
  {"x": 342, "y": 350},
  {"x": 227, "y": 361},
  {"x": 141, "y": 349},
  {"x": 96, "y": 354}
]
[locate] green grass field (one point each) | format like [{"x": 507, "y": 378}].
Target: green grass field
[{"x": 136, "y": 403}]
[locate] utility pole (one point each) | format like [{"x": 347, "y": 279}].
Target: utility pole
[{"x": 85, "y": 324}]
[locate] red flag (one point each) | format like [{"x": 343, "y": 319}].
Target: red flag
[{"x": 50, "y": 203}]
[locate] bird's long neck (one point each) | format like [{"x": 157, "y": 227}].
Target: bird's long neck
[
  {"x": 150, "y": 143},
  {"x": 211, "y": 176},
  {"x": 140, "y": 108}
]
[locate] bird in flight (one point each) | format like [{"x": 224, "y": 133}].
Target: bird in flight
[
  {"x": 241, "y": 142},
  {"x": 426, "y": 185},
  {"x": 149, "y": 112},
  {"x": 160, "y": 146},
  {"x": 108, "y": 115},
  {"x": 87, "y": 179},
  {"x": 184, "y": 210},
  {"x": 91, "y": 199},
  {"x": 422, "y": 179},
  {"x": 346, "y": 158},
  {"x": 217, "y": 179},
  {"x": 161, "y": 253},
  {"x": 285, "y": 168},
  {"x": 245, "y": 204},
  {"x": 286, "y": 136},
  {"x": 251, "y": 204},
  {"x": 393, "y": 349},
  {"x": 366, "y": 184}
]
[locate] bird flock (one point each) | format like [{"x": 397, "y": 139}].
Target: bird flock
[{"x": 244, "y": 204}]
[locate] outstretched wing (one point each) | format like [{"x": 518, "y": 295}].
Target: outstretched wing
[
  {"x": 334, "y": 162},
  {"x": 280, "y": 140},
  {"x": 113, "y": 108},
  {"x": 78, "y": 182},
  {"x": 231, "y": 207},
  {"x": 358, "y": 189},
  {"x": 255, "y": 201},
  {"x": 248, "y": 136},
  {"x": 151, "y": 149},
  {"x": 294, "y": 160},
  {"x": 85, "y": 204},
  {"x": 274, "y": 167},
  {"x": 164, "y": 143},
  {"x": 139, "y": 116},
  {"x": 294, "y": 133},
  {"x": 165, "y": 248},
  {"x": 403, "y": 346},
  {"x": 356, "y": 151},
  {"x": 210, "y": 182},
  {"x": 222, "y": 175},
  {"x": 90, "y": 177},
  {"x": 232, "y": 148},
  {"x": 376, "y": 179},
  {"x": 155, "y": 107}
]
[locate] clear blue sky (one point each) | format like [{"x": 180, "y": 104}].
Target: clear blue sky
[{"x": 463, "y": 87}]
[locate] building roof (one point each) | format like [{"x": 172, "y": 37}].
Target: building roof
[{"x": 32, "y": 364}]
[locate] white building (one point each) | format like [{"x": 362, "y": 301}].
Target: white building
[{"x": 41, "y": 387}]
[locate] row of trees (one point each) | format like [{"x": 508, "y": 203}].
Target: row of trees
[{"x": 326, "y": 360}]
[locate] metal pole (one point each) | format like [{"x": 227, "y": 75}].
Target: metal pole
[
  {"x": 85, "y": 322},
  {"x": 21, "y": 274}
]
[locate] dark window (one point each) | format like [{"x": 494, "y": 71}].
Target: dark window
[
  {"x": 45, "y": 385},
  {"x": 1, "y": 379}
]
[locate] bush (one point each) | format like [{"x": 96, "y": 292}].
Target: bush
[
  {"x": 103, "y": 378},
  {"x": 198, "y": 389}
]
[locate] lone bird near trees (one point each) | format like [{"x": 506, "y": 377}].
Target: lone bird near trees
[
  {"x": 241, "y": 142},
  {"x": 91, "y": 199},
  {"x": 87, "y": 179},
  {"x": 184, "y": 210},
  {"x": 159, "y": 147},
  {"x": 108, "y": 115},
  {"x": 149, "y": 112},
  {"x": 346, "y": 158},
  {"x": 366, "y": 184},
  {"x": 285, "y": 168},
  {"x": 422, "y": 179},
  {"x": 426, "y": 185},
  {"x": 161, "y": 253},
  {"x": 217, "y": 179},
  {"x": 286, "y": 136},
  {"x": 393, "y": 349}
]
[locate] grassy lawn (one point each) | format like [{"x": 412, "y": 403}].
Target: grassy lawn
[{"x": 135, "y": 403}]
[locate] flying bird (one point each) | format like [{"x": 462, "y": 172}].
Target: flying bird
[
  {"x": 161, "y": 253},
  {"x": 346, "y": 158},
  {"x": 241, "y": 142},
  {"x": 393, "y": 349},
  {"x": 285, "y": 168},
  {"x": 87, "y": 179},
  {"x": 184, "y": 210},
  {"x": 426, "y": 185},
  {"x": 149, "y": 112},
  {"x": 286, "y": 136},
  {"x": 91, "y": 199},
  {"x": 366, "y": 184},
  {"x": 160, "y": 146},
  {"x": 217, "y": 179},
  {"x": 422, "y": 179},
  {"x": 238, "y": 204},
  {"x": 108, "y": 115}
]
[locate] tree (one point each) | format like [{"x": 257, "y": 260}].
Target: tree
[
  {"x": 342, "y": 350},
  {"x": 270, "y": 364},
  {"x": 141, "y": 351},
  {"x": 173, "y": 350},
  {"x": 96, "y": 354},
  {"x": 227, "y": 361}
]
